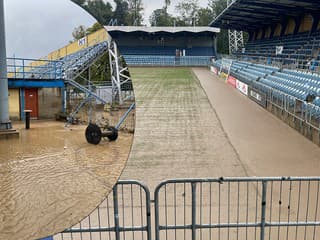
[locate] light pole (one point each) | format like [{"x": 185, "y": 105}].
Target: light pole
[{"x": 5, "y": 122}]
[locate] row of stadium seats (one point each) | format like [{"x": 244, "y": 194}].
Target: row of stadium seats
[
  {"x": 300, "y": 47},
  {"x": 294, "y": 83},
  {"x": 166, "y": 51},
  {"x": 73, "y": 64},
  {"x": 154, "y": 60}
]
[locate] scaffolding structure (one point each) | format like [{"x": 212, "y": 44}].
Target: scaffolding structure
[{"x": 235, "y": 37}]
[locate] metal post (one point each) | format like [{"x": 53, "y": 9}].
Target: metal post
[
  {"x": 263, "y": 210},
  {"x": 5, "y": 122},
  {"x": 116, "y": 212},
  {"x": 194, "y": 211}
]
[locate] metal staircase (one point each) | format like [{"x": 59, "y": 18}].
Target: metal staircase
[{"x": 76, "y": 64}]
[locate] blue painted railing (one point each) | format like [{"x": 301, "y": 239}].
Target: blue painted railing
[{"x": 22, "y": 68}]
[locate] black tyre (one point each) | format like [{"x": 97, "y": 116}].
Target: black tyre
[
  {"x": 114, "y": 134},
  {"x": 93, "y": 134}
]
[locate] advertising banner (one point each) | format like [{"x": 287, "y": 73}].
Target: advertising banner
[
  {"x": 258, "y": 96},
  {"x": 232, "y": 81},
  {"x": 242, "y": 87},
  {"x": 215, "y": 70}
]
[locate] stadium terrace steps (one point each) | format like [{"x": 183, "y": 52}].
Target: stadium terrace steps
[
  {"x": 298, "y": 47},
  {"x": 157, "y": 60}
]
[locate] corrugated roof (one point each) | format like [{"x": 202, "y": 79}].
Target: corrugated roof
[{"x": 254, "y": 14}]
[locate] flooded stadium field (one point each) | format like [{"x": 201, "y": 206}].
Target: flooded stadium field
[
  {"x": 51, "y": 178},
  {"x": 192, "y": 121}
]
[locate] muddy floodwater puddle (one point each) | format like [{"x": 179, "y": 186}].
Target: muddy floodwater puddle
[{"x": 51, "y": 178}]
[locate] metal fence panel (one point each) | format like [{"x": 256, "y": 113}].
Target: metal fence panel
[
  {"x": 275, "y": 208},
  {"x": 238, "y": 208},
  {"x": 124, "y": 214}
]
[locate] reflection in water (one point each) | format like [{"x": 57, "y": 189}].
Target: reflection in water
[{"x": 51, "y": 178}]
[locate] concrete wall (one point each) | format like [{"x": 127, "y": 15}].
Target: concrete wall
[
  {"x": 14, "y": 104},
  {"x": 50, "y": 102}
]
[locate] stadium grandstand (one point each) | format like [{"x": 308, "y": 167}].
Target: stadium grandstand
[
  {"x": 165, "y": 46},
  {"x": 279, "y": 65},
  {"x": 280, "y": 32}
]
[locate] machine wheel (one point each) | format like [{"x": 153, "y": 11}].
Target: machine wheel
[
  {"x": 114, "y": 133},
  {"x": 93, "y": 134}
]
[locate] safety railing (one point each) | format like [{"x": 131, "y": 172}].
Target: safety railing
[
  {"x": 303, "y": 116},
  {"x": 238, "y": 208},
  {"x": 157, "y": 60},
  {"x": 124, "y": 214},
  {"x": 273, "y": 208},
  {"x": 20, "y": 68}
]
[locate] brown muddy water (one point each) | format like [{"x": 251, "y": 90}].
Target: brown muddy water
[{"x": 51, "y": 178}]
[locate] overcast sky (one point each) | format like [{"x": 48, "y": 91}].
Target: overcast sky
[{"x": 36, "y": 27}]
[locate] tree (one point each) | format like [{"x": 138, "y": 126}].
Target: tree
[
  {"x": 188, "y": 11},
  {"x": 135, "y": 12},
  {"x": 79, "y": 32},
  {"x": 79, "y": 2},
  {"x": 121, "y": 12},
  {"x": 95, "y": 27},
  {"x": 100, "y": 10},
  {"x": 217, "y": 6},
  {"x": 205, "y": 16},
  {"x": 160, "y": 18},
  {"x": 166, "y": 4},
  {"x": 97, "y": 8}
]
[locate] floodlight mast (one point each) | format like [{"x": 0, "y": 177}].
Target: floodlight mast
[
  {"x": 235, "y": 37},
  {"x": 5, "y": 122}
]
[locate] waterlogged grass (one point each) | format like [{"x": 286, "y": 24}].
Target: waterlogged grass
[
  {"x": 166, "y": 78},
  {"x": 167, "y": 85}
]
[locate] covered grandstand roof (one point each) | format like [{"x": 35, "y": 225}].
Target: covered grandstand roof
[
  {"x": 130, "y": 29},
  {"x": 254, "y": 14}
]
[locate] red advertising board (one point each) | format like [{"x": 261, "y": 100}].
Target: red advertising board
[{"x": 232, "y": 81}]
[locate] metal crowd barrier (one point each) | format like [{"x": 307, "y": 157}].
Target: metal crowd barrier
[
  {"x": 280, "y": 208},
  {"x": 305, "y": 116},
  {"x": 124, "y": 214}
]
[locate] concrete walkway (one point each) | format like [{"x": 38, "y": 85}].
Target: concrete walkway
[{"x": 266, "y": 145}]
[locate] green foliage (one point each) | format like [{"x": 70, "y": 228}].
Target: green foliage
[
  {"x": 95, "y": 27},
  {"x": 205, "y": 16},
  {"x": 188, "y": 11},
  {"x": 129, "y": 12},
  {"x": 79, "y": 32},
  {"x": 161, "y": 18},
  {"x": 223, "y": 42},
  {"x": 100, "y": 71},
  {"x": 121, "y": 12},
  {"x": 135, "y": 12},
  {"x": 217, "y": 6},
  {"x": 99, "y": 9}
]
